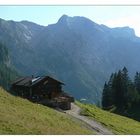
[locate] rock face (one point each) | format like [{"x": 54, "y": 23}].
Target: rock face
[{"x": 75, "y": 50}]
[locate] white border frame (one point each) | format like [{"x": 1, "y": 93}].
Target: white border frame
[{"x": 70, "y": 2}]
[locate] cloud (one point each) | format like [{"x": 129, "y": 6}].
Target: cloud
[{"x": 133, "y": 22}]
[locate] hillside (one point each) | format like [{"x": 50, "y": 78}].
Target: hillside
[
  {"x": 118, "y": 124},
  {"x": 7, "y": 72},
  {"x": 19, "y": 116},
  {"x": 76, "y": 50}
]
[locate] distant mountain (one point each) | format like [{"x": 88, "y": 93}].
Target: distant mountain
[{"x": 75, "y": 50}]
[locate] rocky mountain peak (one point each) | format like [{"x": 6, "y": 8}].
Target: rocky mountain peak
[{"x": 63, "y": 19}]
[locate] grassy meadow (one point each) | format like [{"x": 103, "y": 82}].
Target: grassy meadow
[
  {"x": 19, "y": 116},
  {"x": 118, "y": 124}
]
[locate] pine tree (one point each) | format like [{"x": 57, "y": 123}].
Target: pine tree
[
  {"x": 127, "y": 85},
  {"x": 123, "y": 94},
  {"x": 119, "y": 91},
  {"x": 105, "y": 97},
  {"x": 137, "y": 81}
]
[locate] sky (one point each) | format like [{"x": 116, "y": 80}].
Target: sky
[{"x": 112, "y": 16}]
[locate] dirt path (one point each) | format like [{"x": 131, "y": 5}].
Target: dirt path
[{"x": 97, "y": 127}]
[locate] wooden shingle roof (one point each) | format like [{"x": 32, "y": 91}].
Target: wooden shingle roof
[{"x": 31, "y": 81}]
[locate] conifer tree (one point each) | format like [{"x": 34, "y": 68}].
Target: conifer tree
[
  {"x": 137, "y": 81},
  {"x": 121, "y": 93},
  {"x": 105, "y": 97}
]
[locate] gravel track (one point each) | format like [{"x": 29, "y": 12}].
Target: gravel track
[{"x": 94, "y": 125}]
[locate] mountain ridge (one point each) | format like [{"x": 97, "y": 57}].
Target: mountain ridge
[{"x": 75, "y": 50}]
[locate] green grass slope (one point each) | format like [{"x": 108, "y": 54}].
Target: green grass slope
[
  {"x": 19, "y": 116},
  {"x": 118, "y": 124}
]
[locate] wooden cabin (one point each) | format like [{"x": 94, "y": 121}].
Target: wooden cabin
[{"x": 42, "y": 89}]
